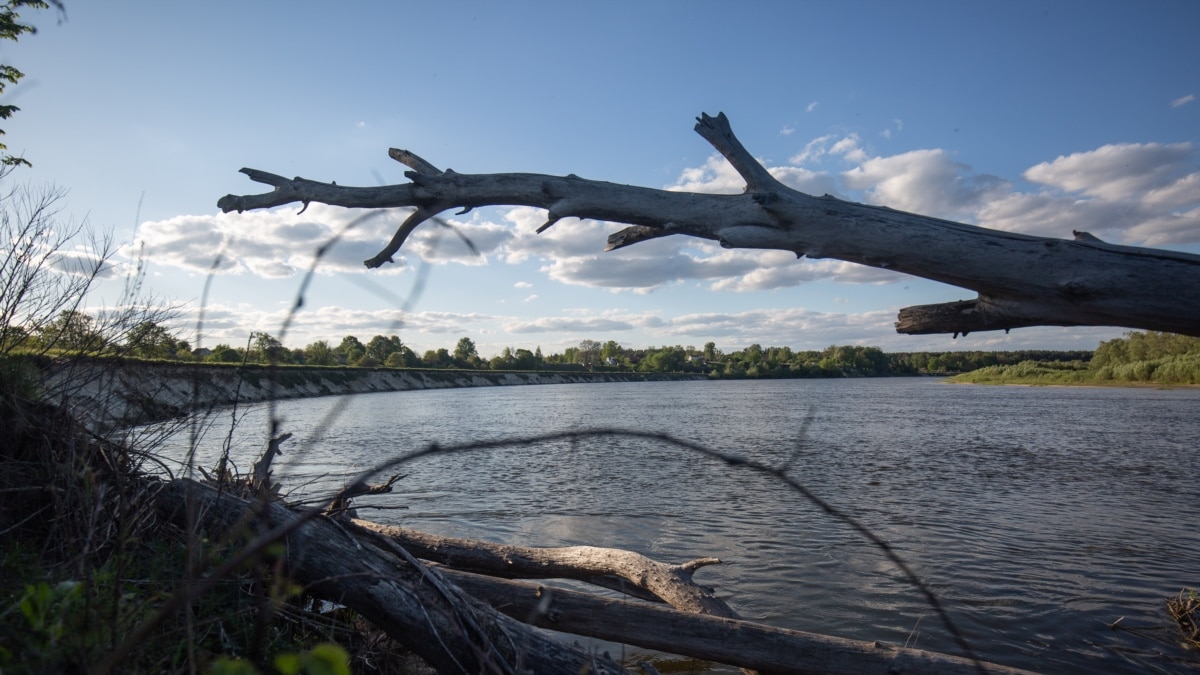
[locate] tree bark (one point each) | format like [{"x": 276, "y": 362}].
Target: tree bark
[
  {"x": 734, "y": 642},
  {"x": 1021, "y": 280},
  {"x": 625, "y": 571},
  {"x": 450, "y": 630}
]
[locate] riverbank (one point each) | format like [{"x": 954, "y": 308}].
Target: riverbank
[{"x": 109, "y": 392}]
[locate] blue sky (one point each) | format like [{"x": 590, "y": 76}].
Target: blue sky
[{"x": 1039, "y": 117}]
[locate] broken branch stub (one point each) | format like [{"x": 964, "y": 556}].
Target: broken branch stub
[{"x": 1021, "y": 280}]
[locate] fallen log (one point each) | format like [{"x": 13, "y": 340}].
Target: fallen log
[
  {"x": 731, "y": 641},
  {"x": 616, "y": 569},
  {"x": 410, "y": 602}
]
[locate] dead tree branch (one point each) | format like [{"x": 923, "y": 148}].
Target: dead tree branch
[
  {"x": 1021, "y": 280},
  {"x": 738, "y": 643},
  {"x": 617, "y": 569},
  {"x": 452, "y": 631}
]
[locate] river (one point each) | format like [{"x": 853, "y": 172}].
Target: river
[{"x": 1038, "y": 516}]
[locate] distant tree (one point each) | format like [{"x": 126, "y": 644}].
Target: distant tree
[
  {"x": 523, "y": 359},
  {"x": 319, "y": 353},
  {"x": 268, "y": 349},
  {"x": 710, "y": 351},
  {"x": 71, "y": 331},
  {"x": 465, "y": 353},
  {"x": 380, "y": 347},
  {"x": 350, "y": 350},
  {"x": 588, "y": 354},
  {"x": 397, "y": 359},
  {"x": 611, "y": 350},
  {"x": 149, "y": 340},
  {"x": 223, "y": 353}
]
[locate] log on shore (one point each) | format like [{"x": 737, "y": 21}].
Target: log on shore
[
  {"x": 620, "y": 570},
  {"x": 447, "y": 628},
  {"x": 723, "y": 640}
]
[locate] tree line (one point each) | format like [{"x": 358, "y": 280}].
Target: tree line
[
  {"x": 1149, "y": 357},
  {"x": 76, "y": 332}
]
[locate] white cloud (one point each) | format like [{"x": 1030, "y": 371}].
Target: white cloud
[
  {"x": 1115, "y": 172},
  {"x": 271, "y": 244},
  {"x": 522, "y": 284},
  {"x": 530, "y": 298},
  {"x": 1183, "y": 100},
  {"x": 849, "y": 148},
  {"x": 811, "y": 106},
  {"x": 718, "y": 176},
  {"x": 923, "y": 181},
  {"x": 897, "y": 127},
  {"x": 813, "y": 150}
]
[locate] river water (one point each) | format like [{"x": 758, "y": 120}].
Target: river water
[{"x": 1038, "y": 516}]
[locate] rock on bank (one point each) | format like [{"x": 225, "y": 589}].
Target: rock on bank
[{"x": 112, "y": 392}]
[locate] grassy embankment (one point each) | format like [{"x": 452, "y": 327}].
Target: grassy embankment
[{"x": 1138, "y": 359}]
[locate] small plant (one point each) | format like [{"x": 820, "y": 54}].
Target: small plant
[{"x": 1185, "y": 609}]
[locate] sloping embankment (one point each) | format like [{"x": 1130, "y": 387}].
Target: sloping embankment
[{"x": 132, "y": 392}]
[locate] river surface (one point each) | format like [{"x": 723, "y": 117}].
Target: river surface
[{"x": 1038, "y": 516}]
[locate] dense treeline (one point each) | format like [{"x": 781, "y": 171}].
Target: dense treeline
[
  {"x": 1150, "y": 358},
  {"x": 74, "y": 332}
]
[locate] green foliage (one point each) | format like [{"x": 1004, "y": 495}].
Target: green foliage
[
  {"x": 350, "y": 350},
  {"x": 11, "y": 28},
  {"x": 323, "y": 659},
  {"x": 71, "y": 331},
  {"x": 267, "y": 349},
  {"x": 319, "y": 353},
  {"x": 148, "y": 340},
  {"x": 465, "y": 352},
  {"x": 1137, "y": 358}
]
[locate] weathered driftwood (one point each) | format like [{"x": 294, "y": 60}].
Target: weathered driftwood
[
  {"x": 723, "y": 640},
  {"x": 450, "y": 630},
  {"x": 1021, "y": 280},
  {"x": 617, "y": 569}
]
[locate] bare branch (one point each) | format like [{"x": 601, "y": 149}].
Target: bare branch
[{"x": 1021, "y": 280}]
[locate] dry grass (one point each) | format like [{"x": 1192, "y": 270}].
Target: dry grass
[{"x": 1185, "y": 609}]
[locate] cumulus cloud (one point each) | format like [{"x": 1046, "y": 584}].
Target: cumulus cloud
[
  {"x": 924, "y": 181},
  {"x": 280, "y": 243},
  {"x": 1136, "y": 193},
  {"x": 270, "y": 243},
  {"x": 1116, "y": 172},
  {"x": 568, "y": 324},
  {"x": 232, "y": 323},
  {"x": 718, "y": 176}
]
